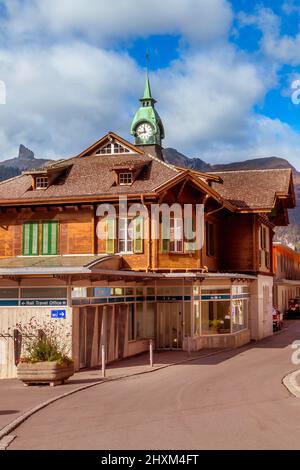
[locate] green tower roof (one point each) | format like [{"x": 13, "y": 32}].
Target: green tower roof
[{"x": 148, "y": 113}]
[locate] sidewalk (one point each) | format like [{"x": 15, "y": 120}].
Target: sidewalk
[{"x": 15, "y": 399}]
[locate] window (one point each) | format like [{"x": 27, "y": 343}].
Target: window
[
  {"x": 44, "y": 293},
  {"x": 176, "y": 235},
  {"x": 210, "y": 239},
  {"x": 120, "y": 149},
  {"x": 135, "y": 321},
  {"x": 131, "y": 235},
  {"x": 264, "y": 248},
  {"x": 105, "y": 150},
  {"x": 125, "y": 235},
  {"x": 112, "y": 148},
  {"x": 125, "y": 179},
  {"x": 47, "y": 245},
  {"x": 41, "y": 182}
]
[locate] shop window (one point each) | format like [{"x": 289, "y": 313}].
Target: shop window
[
  {"x": 135, "y": 321},
  {"x": 197, "y": 318},
  {"x": 79, "y": 292},
  {"x": 10, "y": 293},
  {"x": 215, "y": 317},
  {"x": 239, "y": 314},
  {"x": 44, "y": 293}
]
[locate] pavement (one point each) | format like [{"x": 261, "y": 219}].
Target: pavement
[
  {"x": 231, "y": 400},
  {"x": 17, "y": 401}
]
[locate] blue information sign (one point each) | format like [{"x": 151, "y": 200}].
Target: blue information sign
[{"x": 58, "y": 314}]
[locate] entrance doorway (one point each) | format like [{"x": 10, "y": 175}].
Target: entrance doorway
[
  {"x": 105, "y": 325},
  {"x": 169, "y": 325}
]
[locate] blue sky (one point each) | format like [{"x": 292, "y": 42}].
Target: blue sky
[{"x": 221, "y": 71}]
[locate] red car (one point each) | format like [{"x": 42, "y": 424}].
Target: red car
[{"x": 277, "y": 319}]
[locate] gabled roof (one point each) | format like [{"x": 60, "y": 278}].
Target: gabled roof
[
  {"x": 256, "y": 189},
  {"x": 111, "y": 136}
]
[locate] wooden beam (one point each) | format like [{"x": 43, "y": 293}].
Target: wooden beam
[{"x": 182, "y": 188}]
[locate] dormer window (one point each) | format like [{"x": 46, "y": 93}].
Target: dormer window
[
  {"x": 41, "y": 182},
  {"x": 125, "y": 179},
  {"x": 112, "y": 148}
]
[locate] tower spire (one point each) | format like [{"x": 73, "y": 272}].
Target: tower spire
[
  {"x": 147, "y": 90},
  {"x": 147, "y": 127}
]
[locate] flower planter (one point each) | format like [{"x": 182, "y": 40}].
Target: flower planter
[{"x": 44, "y": 373}]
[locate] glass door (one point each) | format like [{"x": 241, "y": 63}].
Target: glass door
[{"x": 169, "y": 322}]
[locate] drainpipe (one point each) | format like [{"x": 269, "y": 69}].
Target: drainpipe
[{"x": 216, "y": 210}]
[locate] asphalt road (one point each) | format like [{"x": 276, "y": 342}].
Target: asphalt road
[{"x": 234, "y": 400}]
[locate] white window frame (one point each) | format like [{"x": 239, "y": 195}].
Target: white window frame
[
  {"x": 41, "y": 182},
  {"x": 124, "y": 237},
  {"x": 113, "y": 148},
  {"x": 176, "y": 235},
  {"x": 127, "y": 178}
]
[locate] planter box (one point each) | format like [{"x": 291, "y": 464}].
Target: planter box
[{"x": 44, "y": 372}]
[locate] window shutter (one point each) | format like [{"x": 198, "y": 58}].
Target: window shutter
[
  {"x": 138, "y": 235},
  {"x": 50, "y": 238},
  {"x": 110, "y": 234},
  {"x": 165, "y": 236},
  {"x": 189, "y": 246},
  {"x": 30, "y": 238}
]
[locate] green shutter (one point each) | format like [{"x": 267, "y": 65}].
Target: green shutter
[
  {"x": 165, "y": 236},
  {"x": 110, "y": 234},
  {"x": 138, "y": 235},
  {"x": 190, "y": 246},
  {"x": 30, "y": 238},
  {"x": 50, "y": 238}
]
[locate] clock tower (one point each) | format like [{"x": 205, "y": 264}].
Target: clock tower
[{"x": 147, "y": 127}]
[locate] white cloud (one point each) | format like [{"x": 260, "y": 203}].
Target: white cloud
[
  {"x": 207, "y": 98},
  {"x": 284, "y": 49},
  {"x": 62, "y": 98},
  {"x": 106, "y": 20},
  {"x": 266, "y": 137},
  {"x": 64, "y": 91}
]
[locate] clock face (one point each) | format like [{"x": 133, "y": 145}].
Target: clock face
[{"x": 144, "y": 131}]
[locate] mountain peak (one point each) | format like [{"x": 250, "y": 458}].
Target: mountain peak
[{"x": 25, "y": 153}]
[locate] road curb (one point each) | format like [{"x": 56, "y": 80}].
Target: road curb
[
  {"x": 6, "y": 430},
  {"x": 290, "y": 382}
]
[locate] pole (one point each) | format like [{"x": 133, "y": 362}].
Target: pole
[
  {"x": 151, "y": 352},
  {"x": 189, "y": 345},
  {"x": 103, "y": 359}
]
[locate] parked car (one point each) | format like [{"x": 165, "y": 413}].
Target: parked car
[
  {"x": 277, "y": 319},
  {"x": 293, "y": 310}
]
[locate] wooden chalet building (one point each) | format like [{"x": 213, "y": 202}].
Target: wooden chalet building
[{"x": 123, "y": 291}]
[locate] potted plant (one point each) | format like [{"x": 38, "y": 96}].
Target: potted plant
[{"x": 45, "y": 357}]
